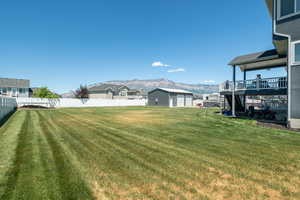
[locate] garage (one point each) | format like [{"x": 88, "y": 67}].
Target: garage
[
  {"x": 189, "y": 101},
  {"x": 170, "y": 97},
  {"x": 180, "y": 100}
]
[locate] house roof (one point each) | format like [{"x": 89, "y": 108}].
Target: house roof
[
  {"x": 134, "y": 90},
  {"x": 104, "y": 87},
  {"x": 269, "y": 4},
  {"x": 14, "y": 83},
  {"x": 173, "y": 90},
  {"x": 260, "y": 60}
]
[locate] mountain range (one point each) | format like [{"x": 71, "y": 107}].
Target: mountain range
[{"x": 147, "y": 85}]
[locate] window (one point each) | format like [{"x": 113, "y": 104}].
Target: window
[
  {"x": 123, "y": 93},
  {"x": 288, "y": 7},
  {"x": 296, "y": 53},
  {"x": 298, "y": 5},
  {"x": 14, "y": 91},
  {"x": 4, "y": 91}
]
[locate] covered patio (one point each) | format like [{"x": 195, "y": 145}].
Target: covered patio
[{"x": 236, "y": 91}]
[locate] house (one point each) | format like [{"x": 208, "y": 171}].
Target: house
[
  {"x": 170, "y": 98},
  {"x": 32, "y": 90},
  {"x": 285, "y": 16},
  {"x": 208, "y": 100},
  {"x": 111, "y": 91},
  {"x": 214, "y": 97},
  {"x": 14, "y": 87},
  {"x": 133, "y": 92}
]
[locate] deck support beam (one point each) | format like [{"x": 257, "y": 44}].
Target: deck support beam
[
  {"x": 233, "y": 90},
  {"x": 245, "y": 78}
]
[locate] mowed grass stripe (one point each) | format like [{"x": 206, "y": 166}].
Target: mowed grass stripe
[
  {"x": 86, "y": 122},
  {"x": 246, "y": 174},
  {"x": 244, "y": 153},
  {"x": 70, "y": 174},
  {"x": 10, "y": 143},
  {"x": 25, "y": 173},
  {"x": 151, "y": 149},
  {"x": 244, "y": 156},
  {"x": 9, "y": 135},
  {"x": 122, "y": 157},
  {"x": 127, "y": 155},
  {"x": 146, "y": 153}
]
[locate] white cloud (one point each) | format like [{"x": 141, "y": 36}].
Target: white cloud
[
  {"x": 176, "y": 70},
  {"x": 209, "y": 81},
  {"x": 159, "y": 64}
]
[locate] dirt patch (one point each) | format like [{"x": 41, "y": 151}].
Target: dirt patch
[
  {"x": 276, "y": 126},
  {"x": 272, "y": 125},
  {"x": 225, "y": 186},
  {"x": 271, "y": 194},
  {"x": 139, "y": 117},
  {"x": 98, "y": 192}
]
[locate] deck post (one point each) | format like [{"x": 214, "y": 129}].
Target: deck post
[
  {"x": 245, "y": 87},
  {"x": 233, "y": 91}
]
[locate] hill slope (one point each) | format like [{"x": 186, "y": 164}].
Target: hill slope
[{"x": 147, "y": 85}]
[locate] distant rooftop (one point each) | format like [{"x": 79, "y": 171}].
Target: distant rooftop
[
  {"x": 103, "y": 87},
  {"x": 14, "y": 83},
  {"x": 175, "y": 90}
]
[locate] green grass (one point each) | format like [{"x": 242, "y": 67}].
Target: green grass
[{"x": 145, "y": 153}]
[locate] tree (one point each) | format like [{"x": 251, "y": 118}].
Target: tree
[
  {"x": 44, "y": 92},
  {"x": 82, "y": 92}
]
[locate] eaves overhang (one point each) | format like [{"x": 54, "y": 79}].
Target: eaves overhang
[
  {"x": 261, "y": 60},
  {"x": 270, "y": 6}
]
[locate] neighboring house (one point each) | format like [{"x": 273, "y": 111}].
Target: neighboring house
[
  {"x": 134, "y": 93},
  {"x": 208, "y": 100},
  {"x": 110, "y": 91},
  {"x": 170, "y": 98},
  {"x": 14, "y": 87},
  {"x": 286, "y": 39},
  {"x": 32, "y": 91},
  {"x": 214, "y": 97}
]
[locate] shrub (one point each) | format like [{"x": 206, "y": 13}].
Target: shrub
[{"x": 44, "y": 92}]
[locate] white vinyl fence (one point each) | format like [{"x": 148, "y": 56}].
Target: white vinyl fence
[
  {"x": 69, "y": 103},
  {"x": 7, "y": 105}
]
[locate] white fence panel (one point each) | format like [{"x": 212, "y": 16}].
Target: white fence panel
[
  {"x": 69, "y": 103},
  {"x": 7, "y": 105}
]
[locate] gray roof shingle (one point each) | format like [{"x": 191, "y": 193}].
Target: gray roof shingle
[
  {"x": 255, "y": 57},
  {"x": 171, "y": 90},
  {"x": 104, "y": 87}
]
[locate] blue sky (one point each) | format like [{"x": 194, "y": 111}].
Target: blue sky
[{"x": 64, "y": 43}]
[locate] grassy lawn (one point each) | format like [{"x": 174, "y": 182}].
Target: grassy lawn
[{"x": 145, "y": 153}]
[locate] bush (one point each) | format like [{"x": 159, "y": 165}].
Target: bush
[
  {"x": 82, "y": 92},
  {"x": 44, "y": 92}
]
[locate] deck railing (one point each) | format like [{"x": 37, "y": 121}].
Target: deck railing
[{"x": 256, "y": 84}]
